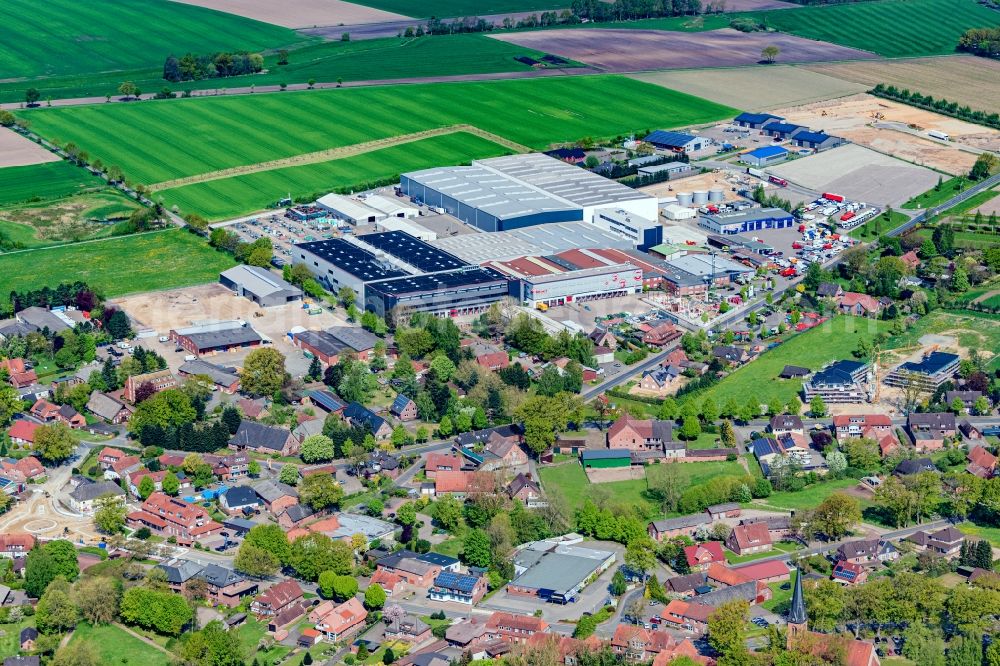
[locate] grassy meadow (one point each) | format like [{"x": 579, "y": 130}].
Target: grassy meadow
[
  {"x": 830, "y": 341},
  {"x": 239, "y": 195},
  {"x": 890, "y": 28},
  {"x": 114, "y": 645},
  {"x": 200, "y": 135},
  {"x": 59, "y": 37},
  {"x": 449, "y": 8},
  {"x": 117, "y": 266}
]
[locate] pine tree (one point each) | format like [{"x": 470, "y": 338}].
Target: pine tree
[
  {"x": 315, "y": 369},
  {"x": 984, "y": 553}
]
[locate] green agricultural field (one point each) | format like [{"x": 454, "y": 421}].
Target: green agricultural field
[
  {"x": 59, "y": 37},
  {"x": 891, "y": 28},
  {"x": 239, "y": 195},
  {"x": 194, "y": 136},
  {"x": 450, "y": 8},
  {"x": 325, "y": 62},
  {"x": 117, "y": 266},
  {"x": 51, "y": 180},
  {"x": 114, "y": 645},
  {"x": 830, "y": 341},
  {"x": 572, "y": 482}
]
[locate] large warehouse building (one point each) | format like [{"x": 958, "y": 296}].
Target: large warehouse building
[
  {"x": 544, "y": 239},
  {"x": 574, "y": 275},
  {"x": 260, "y": 285},
  {"x": 394, "y": 269},
  {"x": 745, "y": 221},
  {"x": 515, "y": 191}
]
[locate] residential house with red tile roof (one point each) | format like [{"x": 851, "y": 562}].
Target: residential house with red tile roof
[
  {"x": 720, "y": 574},
  {"x": 633, "y": 643},
  {"x": 122, "y": 467},
  {"x": 635, "y": 434},
  {"x": 276, "y": 598},
  {"x": 25, "y": 469},
  {"x": 982, "y": 463},
  {"x": 859, "y": 305},
  {"x": 109, "y": 455},
  {"x": 174, "y": 517},
  {"x": 48, "y": 412},
  {"x": 687, "y": 614},
  {"x": 493, "y": 360},
  {"x": 391, "y": 583},
  {"x": 16, "y": 545},
  {"x": 849, "y": 573},
  {"x": 513, "y": 628},
  {"x": 22, "y": 432},
  {"x": 770, "y": 571},
  {"x": 20, "y": 375},
  {"x": 911, "y": 260},
  {"x": 700, "y": 556},
  {"x": 662, "y": 334},
  {"x": 861, "y": 425},
  {"x": 750, "y": 538},
  {"x": 441, "y": 462},
  {"x": 342, "y": 621}
]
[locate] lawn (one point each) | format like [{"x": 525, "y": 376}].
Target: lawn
[
  {"x": 830, "y": 341},
  {"x": 69, "y": 37},
  {"x": 117, "y": 266},
  {"x": 114, "y": 645},
  {"x": 51, "y": 180},
  {"x": 968, "y": 239},
  {"x": 781, "y": 595},
  {"x": 10, "y": 641},
  {"x": 878, "y": 226},
  {"x": 991, "y": 534},
  {"x": 891, "y": 28},
  {"x": 325, "y": 62},
  {"x": 230, "y": 197},
  {"x": 158, "y": 141},
  {"x": 938, "y": 195},
  {"x": 451, "y": 547},
  {"x": 572, "y": 481},
  {"x": 809, "y": 497},
  {"x": 779, "y": 547}
]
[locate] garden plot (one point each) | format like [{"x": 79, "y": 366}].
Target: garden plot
[
  {"x": 300, "y": 13},
  {"x": 756, "y": 88},
  {"x": 639, "y": 50},
  {"x": 860, "y": 174},
  {"x": 15, "y": 150},
  {"x": 898, "y": 130}
]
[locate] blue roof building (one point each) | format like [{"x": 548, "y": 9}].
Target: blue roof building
[
  {"x": 676, "y": 141},
  {"x": 755, "y": 120},
  {"x": 783, "y": 130},
  {"x": 327, "y": 401},
  {"x": 816, "y": 140},
  {"x": 764, "y": 155}
]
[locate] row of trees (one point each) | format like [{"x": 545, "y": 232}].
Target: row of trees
[
  {"x": 981, "y": 42},
  {"x": 964, "y": 112},
  {"x": 192, "y": 67}
]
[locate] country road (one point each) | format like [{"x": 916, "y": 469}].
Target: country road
[{"x": 930, "y": 213}]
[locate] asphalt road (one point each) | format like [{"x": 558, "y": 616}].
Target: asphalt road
[
  {"x": 627, "y": 374},
  {"x": 950, "y": 203}
]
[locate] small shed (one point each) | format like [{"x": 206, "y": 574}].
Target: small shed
[{"x": 607, "y": 458}]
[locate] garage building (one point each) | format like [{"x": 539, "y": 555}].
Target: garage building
[
  {"x": 754, "y": 219},
  {"x": 260, "y": 285},
  {"x": 764, "y": 156},
  {"x": 676, "y": 141}
]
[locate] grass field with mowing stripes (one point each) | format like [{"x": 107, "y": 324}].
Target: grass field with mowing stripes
[
  {"x": 117, "y": 266},
  {"x": 157, "y": 141},
  {"x": 230, "y": 197},
  {"x": 51, "y": 180},
  {"x": 59, "y": 37},
  {"x": 449, "y": 8},
  {"x": 891, "y": 28}
]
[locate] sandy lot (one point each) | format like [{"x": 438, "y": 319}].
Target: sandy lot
[
  {"x": 860, "y": 174},
  {"x": 756, "y": 88},
  {"x": 900, "y": 131},
  {"x": 639, "y": 50},
  {"x": 963, "y": 79},
  {"x": 612, "y": 474},
  {"x": 15, "y": 150},
  {"x": 299, "y": 13},
  {"x": 177, "y": 308},
  {"x": 702, "y": 181}
]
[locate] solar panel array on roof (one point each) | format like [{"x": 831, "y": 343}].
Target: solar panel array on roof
[
  {"x": 352, "y": 259},
  {"x": 454, "y": 581},
  {"x": 413, "y": 251},
  {"x": 470, "y": 277}
]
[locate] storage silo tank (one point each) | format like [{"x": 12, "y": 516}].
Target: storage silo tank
[
  {"x": 684, "y": 198},
  {"x": 716, "y": 194},
  {"x": 700, "y": 197}
]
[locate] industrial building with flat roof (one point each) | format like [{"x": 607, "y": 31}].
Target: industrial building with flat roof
[
  {"x": 540, "y": 240},
  {"x": 462, "y": 291},
  {"x": 642, "y": 232},
  {"x": 930, "y": 372},
  {"x": 754, "y": 219},
  {"x": 515, "y": 191},
  {"x": 259, "y": 285},
  {"x": 691, "y": 273},
  {"x": 220, "y": 336},
  {"x": 557, "y": 572}
]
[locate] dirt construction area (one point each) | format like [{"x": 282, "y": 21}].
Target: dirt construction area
[
  {"x": 964, "y": 79},
  {"x": 860, "y": 174},
  {"x": 15, "y": 150},
  {"x": 178, "y": 308},
  {"x": 755, "y": 88},
  {"x": 702, "y": 181},
  {"x": 299, "y": 13},
  {"x": 898, "y": 130},
  {"x": 640, "y": 50}
]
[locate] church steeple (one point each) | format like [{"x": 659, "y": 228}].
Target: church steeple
[
  {"x": 797, "y": 615},
  {"x": 797, "y": 618}
]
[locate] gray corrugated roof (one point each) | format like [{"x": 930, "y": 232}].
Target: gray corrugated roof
[{"x": 260, "y": 281}]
